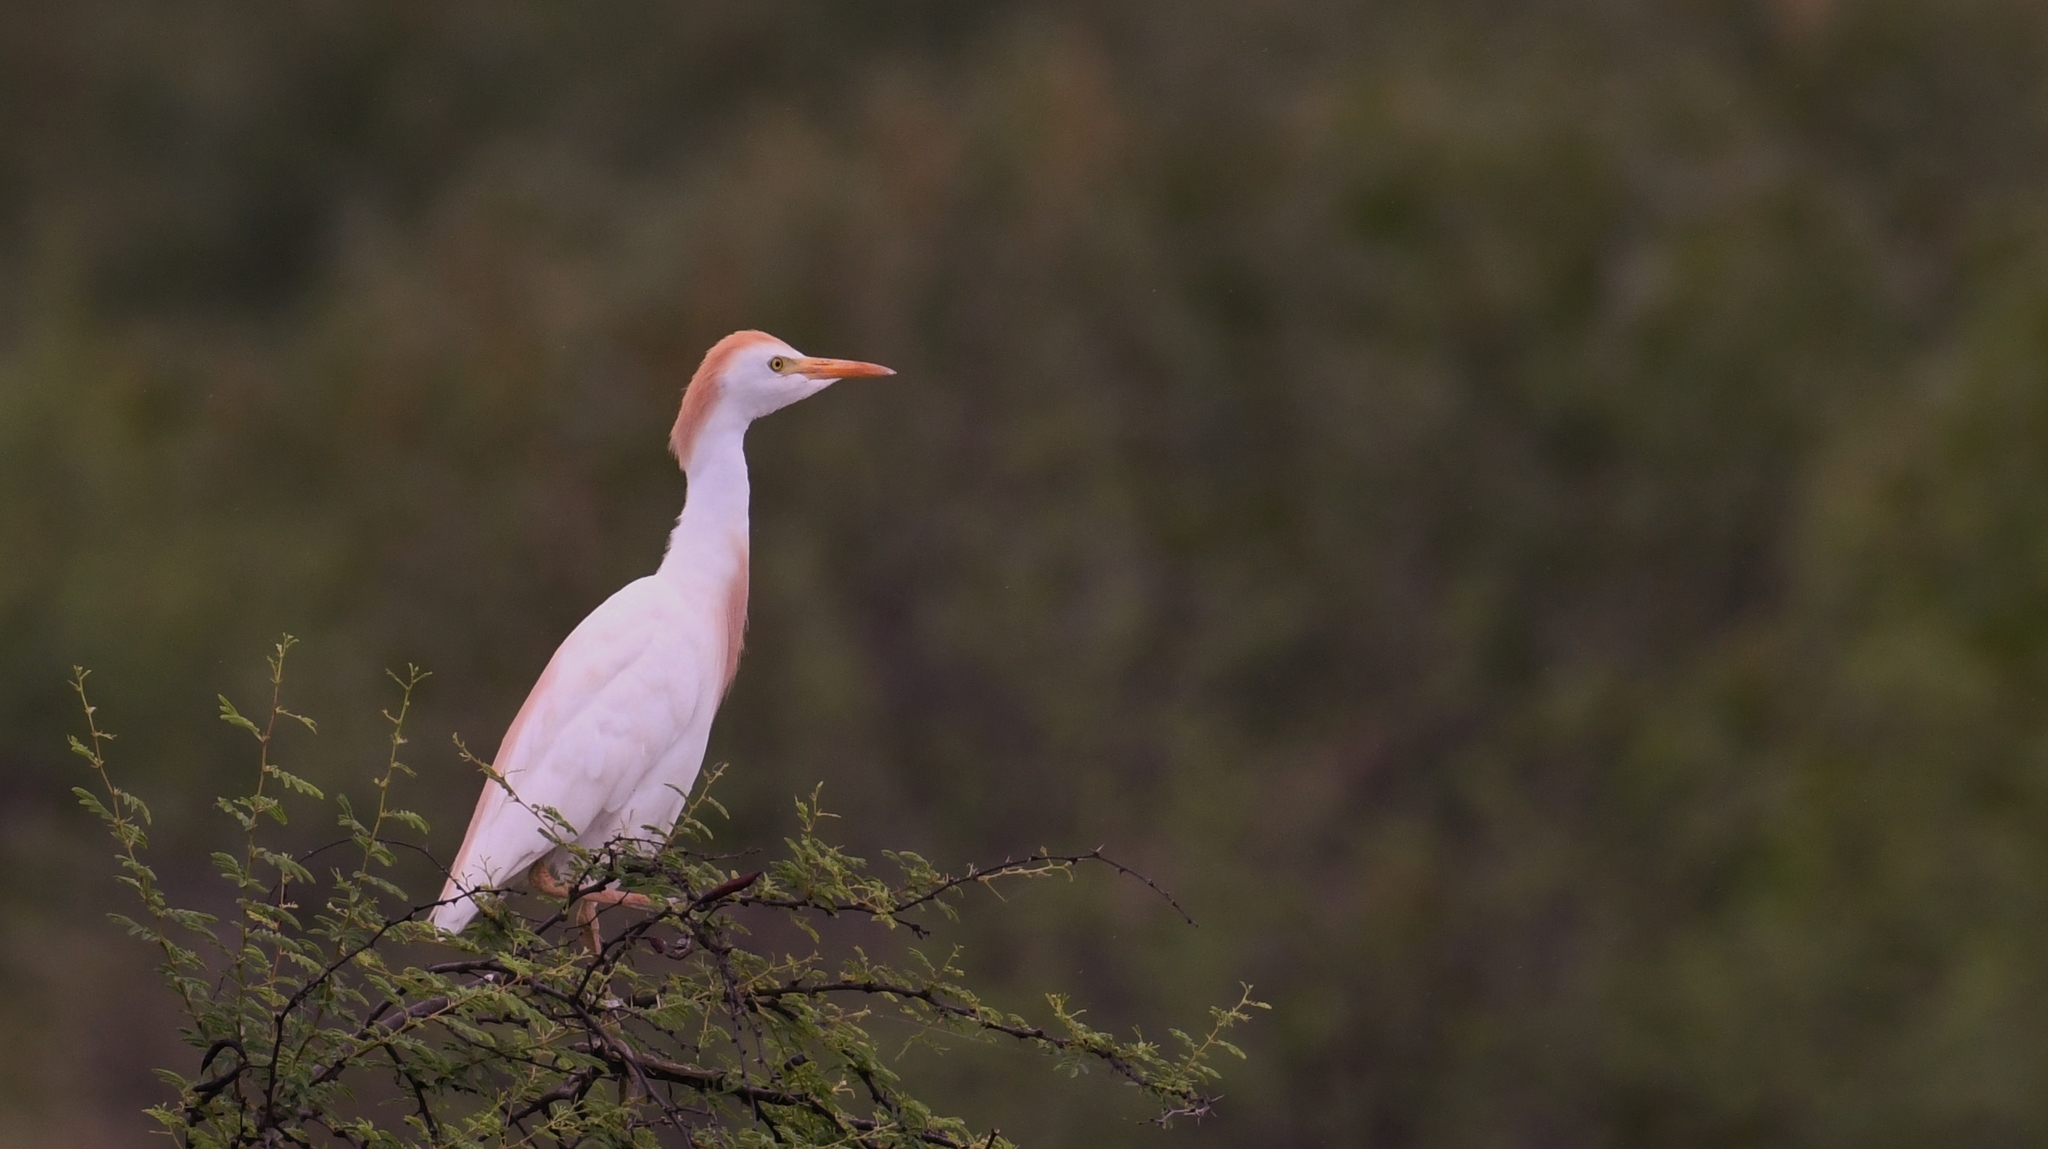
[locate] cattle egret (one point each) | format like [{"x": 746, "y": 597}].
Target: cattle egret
[{"x": 612, "y": 735}]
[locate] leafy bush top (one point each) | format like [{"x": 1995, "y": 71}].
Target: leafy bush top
[{"x": 317, "y": 1027}]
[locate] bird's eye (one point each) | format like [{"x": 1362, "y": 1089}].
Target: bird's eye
[{"x": 777, "y": 364}]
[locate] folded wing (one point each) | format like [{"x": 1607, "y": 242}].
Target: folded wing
[{"x": 596, "y": 741}]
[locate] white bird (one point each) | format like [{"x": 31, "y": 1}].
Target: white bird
[{"x": 612, "y": 735}]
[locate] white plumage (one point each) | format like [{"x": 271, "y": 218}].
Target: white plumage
[{"x": 612, "y": 735}]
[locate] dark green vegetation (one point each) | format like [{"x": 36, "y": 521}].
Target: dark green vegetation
[
  {"x": 678, "y": 1030},
  {"x": 1530, "y": 518}
]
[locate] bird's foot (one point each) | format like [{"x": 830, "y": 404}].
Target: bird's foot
[{"x": 542, "y": 880}]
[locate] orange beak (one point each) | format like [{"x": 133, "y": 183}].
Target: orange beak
[{"x": 837, "y": 368}]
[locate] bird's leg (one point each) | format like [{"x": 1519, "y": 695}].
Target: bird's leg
[
  {"x": 590, "y": 903},
  {"x": 544, "y": 882},
  {"x": 586, "y": 924}
]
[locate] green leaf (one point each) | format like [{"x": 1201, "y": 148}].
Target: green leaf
[
  {"x": 233, "y": 717},
  {"x": 134, "y": 803},
  {"x": 296, "y": 783},
  {"x": 91, "y": 801}
]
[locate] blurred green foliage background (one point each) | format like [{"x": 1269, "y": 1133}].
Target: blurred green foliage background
[{"x": 1531, "y": 518}]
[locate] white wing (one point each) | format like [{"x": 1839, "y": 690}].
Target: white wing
[{"x": 613, "y": 728}]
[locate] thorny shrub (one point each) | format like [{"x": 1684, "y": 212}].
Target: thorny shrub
[{"x": 313, "y": 1030}]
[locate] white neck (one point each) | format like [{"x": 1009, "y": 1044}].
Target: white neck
[{"x": 711, "y": 536}]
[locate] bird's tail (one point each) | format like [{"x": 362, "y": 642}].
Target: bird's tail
[{"x": 456, "y": 909}]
